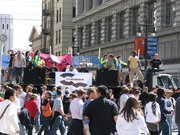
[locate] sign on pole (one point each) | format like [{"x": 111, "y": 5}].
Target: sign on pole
[
  {"x": 139, "y": 46},
  {"x": 152, "y": 43}
]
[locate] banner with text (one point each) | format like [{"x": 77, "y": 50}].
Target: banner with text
[
  {"x": 89, "y": 60},
  {"x": 73, "y": 80}
]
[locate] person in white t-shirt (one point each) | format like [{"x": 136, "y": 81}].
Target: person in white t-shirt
[
  {"x": 123, "y": 98},
  {"x": 170, "y": 106},
  {"x": 71, "y": 69},
  {"x": 18, "y": 90},
  {"x": 76, "y": 109},
  {"x": 9, "y": 121},
  {"x": 152, "y": 114},
  {"x": 131, "y": 121}
]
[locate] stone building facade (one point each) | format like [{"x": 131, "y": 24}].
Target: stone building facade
[
  {"x": 57, "y": 26},
  {"x": 112, "y": 25}
]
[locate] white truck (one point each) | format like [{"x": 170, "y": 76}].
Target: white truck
[
  {"x": 155, "y": 79},
  {"x": 163, "y": 80}
]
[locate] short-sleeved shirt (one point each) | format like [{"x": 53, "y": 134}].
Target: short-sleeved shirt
[
  {"x": 58, "y": 103},
  {"x": 155, "y": 63},
  {"x": 101, "y": 114},
  {"x": 133, "y": 62},
  {"x": 170, "y": 104}
]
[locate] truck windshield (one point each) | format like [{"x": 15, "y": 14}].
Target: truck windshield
[{"x": 167, "y": 82}]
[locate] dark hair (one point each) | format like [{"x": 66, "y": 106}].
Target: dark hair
[
  {"x": 105, "y": 55},
  {"x": 9, "y": 92},
  {"x": 137, "y": 92},
  {"x": 130, "y": 109},
  {"x": 79, "y": 92},
  {"x": 151, "y": 97},
  {"x": 103, "y": 90},
  {"x": 90, "y": 90},
  {"x": 111, "y": 55},
  {"x": 49, "y": 93},
  {"x": 16, "y": 87},
  {"x": 73, "y": 95},
  {"x": 26, "y": 54},
  {"x": 35, "y": 90},
  {"x": 134, "y": 52},
  {"x": 36, "y": 52},
  {"x": 126, "y": 90},
  {"x": 160, "y": 92},
  {"x": 59, "y": 92},
  {"x": 119, "y": 56}
]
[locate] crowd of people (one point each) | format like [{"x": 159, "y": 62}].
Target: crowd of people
[
  {"x": 92, "y": 111},
  {"x": 87, "y": 111}
]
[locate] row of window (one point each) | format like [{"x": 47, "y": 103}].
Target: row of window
[
  {"x": 58, "y": 15},
  {"x": 3, "y": 26},
  {"x": 120, "y": 24},
  {"x": 58, "y": 53}
]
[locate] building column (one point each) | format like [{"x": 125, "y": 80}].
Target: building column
[
  {"x": 103, "y": 31},
  {"x": 177, "y": 10},
  {"x": 79, "y": 7},
  {"x": 84, "y": 44},
  {"x": 114, "y": 27},
  {"x": 87, "y": 5},
  {"x": 93, "y": 34},
  {"x": 76, "y": 37},
  {"x": 159, "y": 15},
  {"x": 143, "y": 15},
  {"x": 127, "y": 24},
  {"x": 96, "y": 3}
]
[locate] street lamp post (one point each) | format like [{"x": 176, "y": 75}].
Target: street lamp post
[{"x": 139, "y": 33}]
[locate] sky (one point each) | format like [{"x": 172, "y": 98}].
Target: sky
[{"x": 25, "y": 13}]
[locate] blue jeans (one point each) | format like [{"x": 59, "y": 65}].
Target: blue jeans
[
  {"x": 37, "y": 121},
  {"x": 45, "y": 126},
  {"x": 58, "y": 123},
  {"x": 21, "y": 129},
  {"x": 169, "y": 120},
  {"x": 164, "y": 127}
]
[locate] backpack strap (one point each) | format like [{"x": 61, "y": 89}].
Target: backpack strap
[
  {"x": 4, "y": 111},
  {"x": 172, "y": 102}
]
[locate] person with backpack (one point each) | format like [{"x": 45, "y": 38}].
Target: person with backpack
[
  {"x": 25, "y": 119},
  {"x": 58, "y": 115},
  {"x": 170, "y": 105},
  {"x": 163, "y": 124},
  {"x": 152, "y": 114},
  {"x": 47, "y": 106},
  {"x": 18, "y": 90},
  {"x": 8, "y": 114},
  {"x": 32, "y": 106}
]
